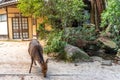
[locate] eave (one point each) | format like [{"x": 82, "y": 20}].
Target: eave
[{"x": 4, "y": 4}]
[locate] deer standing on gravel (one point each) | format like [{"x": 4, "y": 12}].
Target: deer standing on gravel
[{"x": 36, "y": 52}]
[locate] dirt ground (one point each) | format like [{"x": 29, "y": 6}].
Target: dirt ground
[{"x": 15, "y": 63}]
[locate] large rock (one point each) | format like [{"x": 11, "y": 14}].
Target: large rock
[
  {"x": 75, "y": 54},
  {"x": 107, "y": 42},
  {"x": 118, "y": 53}
]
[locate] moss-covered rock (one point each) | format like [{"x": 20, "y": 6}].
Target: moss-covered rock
[{"x": 75, "y": 54}]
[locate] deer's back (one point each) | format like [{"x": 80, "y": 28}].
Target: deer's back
[{"x": 35, "y": 50}]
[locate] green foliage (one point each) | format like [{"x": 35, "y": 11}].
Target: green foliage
[
  {"x": 42, "y": 33},
  {"x": 58, "y": 39},
  {"x": 111, "y": 14},
  {"x": 65, "y": 11},
  {"x": 111, "y": 17},
  {"x": 32, "y": 7},
  {"x": 55, "y": 42},
  {"x": 88, "y": 32},
  {"x": 84, "y": 33},
  {"x": 72, "y": 34},
  {"x": 60, "y": 13}
]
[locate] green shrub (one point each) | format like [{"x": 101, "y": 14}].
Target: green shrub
[
  {"x": 84, "y": 33},
  {"x": 42, "y": 33},
  {"x": 110, "y": 17},
  {"x": 55, "y": 43},
  {"x": 58, "y": 39}
]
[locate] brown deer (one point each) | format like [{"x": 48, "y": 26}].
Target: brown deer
[{"x": 36, "y": 52}]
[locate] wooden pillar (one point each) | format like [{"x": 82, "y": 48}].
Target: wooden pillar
[{"x": 7, "y": 22}]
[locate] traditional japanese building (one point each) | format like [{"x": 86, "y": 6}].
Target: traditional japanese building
[{"x": 13, "y": 25}]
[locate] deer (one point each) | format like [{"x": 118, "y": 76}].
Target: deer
[{"x": 35, "y": 51}]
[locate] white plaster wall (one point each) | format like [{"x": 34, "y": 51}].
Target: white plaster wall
[{"x": 3, "y": 28}]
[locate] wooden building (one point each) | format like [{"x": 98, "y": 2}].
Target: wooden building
[{"x": 13, "y": 25}]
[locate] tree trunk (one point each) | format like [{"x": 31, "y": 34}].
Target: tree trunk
[{"x": 97, "y": 7}]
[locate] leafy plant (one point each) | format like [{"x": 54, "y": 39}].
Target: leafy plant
[
  {"x": 32, "y": 7},
  {"x": 65, "y": 11},
  {"x": 110, "y": 17},
  {"x": 55, "y": 43},
  {"x": 84, "y": 33},
  {"x": 42, "y": 33},
  {"x": 111, "y": 13}
]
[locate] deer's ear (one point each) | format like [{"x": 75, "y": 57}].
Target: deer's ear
[{"x": 46, "y": 60}]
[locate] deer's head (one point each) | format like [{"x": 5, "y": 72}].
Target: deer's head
[{"x": 44, "y": 68}]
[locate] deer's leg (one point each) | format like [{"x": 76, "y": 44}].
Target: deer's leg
[
  {"x": 35, "y": 62},
  {"x": 31, "y": 64}
]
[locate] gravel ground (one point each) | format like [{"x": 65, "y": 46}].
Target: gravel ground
[{"x": 15, "y": 63}]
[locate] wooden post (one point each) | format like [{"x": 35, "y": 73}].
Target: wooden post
[{"x": 7, "y": 22}]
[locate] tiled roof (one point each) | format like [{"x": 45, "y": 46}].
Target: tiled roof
[{"x": 8, "y": 2}]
